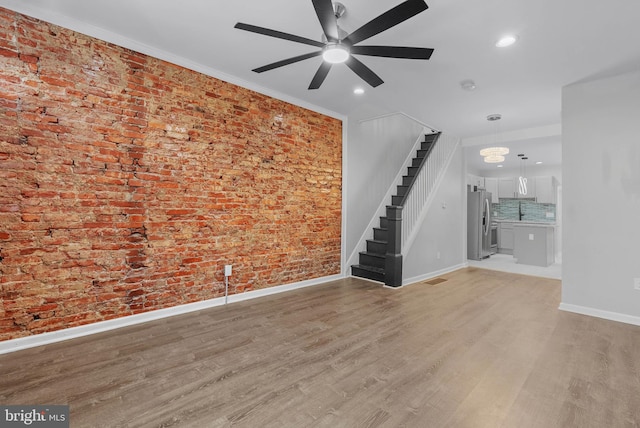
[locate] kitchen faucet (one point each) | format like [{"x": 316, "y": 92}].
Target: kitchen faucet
[{"x": 520, "y": 213}]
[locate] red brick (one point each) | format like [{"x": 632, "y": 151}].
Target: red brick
[{"x": 129, "y": 193}]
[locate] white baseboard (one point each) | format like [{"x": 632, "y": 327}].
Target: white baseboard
[
  {"x": 433, "y": 274},
  {"x": 599, "y": 313},
  {"x": 102, "y": 326}
]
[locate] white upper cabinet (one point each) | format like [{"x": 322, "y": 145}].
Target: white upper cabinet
[
  {"x": 506, "y": 187},
  {"x": 491, "y": 185},
  {"x": 542, "y": 188},
  {"x": 546, "y": 188},
  {"x": 475, "y": 180}
]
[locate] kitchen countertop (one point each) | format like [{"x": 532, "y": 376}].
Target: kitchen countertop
[{"x": 526, "y": 223}]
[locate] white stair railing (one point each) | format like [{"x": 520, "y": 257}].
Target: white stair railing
[
  {"x": 423, "y": 190},
  {"x": 386, "y": 199}
]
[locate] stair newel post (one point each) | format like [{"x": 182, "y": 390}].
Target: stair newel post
[{"x": 393, "y": 259}]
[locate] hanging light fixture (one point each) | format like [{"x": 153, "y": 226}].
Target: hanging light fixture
[
  {"x": 522, "y": 180},
  {"x": 494, "y": 151},
  {"x": 494, "y": 159},
  {"x": 494, "y": 154}
]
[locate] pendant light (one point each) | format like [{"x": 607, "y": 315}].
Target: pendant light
[
  {"x": 494, "y": 154},
  {"x": 522, "y": 180}
]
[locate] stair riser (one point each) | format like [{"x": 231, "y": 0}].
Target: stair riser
[
  {"x": 384, "y": 223},
  {"x": 371, "y": 260},
  {"x": 376, "y": 247},
  {"x": 355, "y": 271},
  {"x": 401, "y": 190},
  {"x": 430, "y": 138},
  {"x": 379, "y": 235}
]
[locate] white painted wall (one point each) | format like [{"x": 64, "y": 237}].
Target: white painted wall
[
  {"x": 441, "y": 231},
  {"x": 601, "y": 191},
  {"x": 375, "y": 152}
]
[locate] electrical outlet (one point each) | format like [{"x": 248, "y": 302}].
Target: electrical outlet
[
  {"x": 636, "y": 283},
  {"x": 438, "y": 255}
]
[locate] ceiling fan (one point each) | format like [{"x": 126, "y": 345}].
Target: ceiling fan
[{"x": 338, "y": 46}]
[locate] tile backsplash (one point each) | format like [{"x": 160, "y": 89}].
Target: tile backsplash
[{"x": 508, "y": 209}]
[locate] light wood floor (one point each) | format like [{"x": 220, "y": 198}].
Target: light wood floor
[{"x": 483, "y": 349}]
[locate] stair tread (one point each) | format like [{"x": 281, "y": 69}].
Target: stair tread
[
  {"x": 378, "y": 241},
  {"x": 369, "y": 268},
  {"x": 369, "y": 253}
]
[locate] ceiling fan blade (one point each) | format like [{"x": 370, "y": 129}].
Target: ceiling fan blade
[
  {"x": 286, "y": 62},
  {"x": 393, "y": 51},
  {"x": 364, "y": 72},
  {"x": 321, "y": 74},
  {"x": 327, "y": 17},
  {"x": 390, "y": 18},
  {"x": 278, "y": 34}
]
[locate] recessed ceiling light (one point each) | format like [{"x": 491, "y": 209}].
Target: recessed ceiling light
[
  {"x": 506, "y": 41},
  {"x": 358, "y": 91},
  {"x": 500, "y": 166},
  {"x": 539, "y": 163}
]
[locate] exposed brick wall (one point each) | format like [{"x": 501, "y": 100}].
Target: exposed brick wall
[{"x": 126, "y": 183}]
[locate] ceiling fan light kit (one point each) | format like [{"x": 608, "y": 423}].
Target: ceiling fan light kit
[
  {"x": 335, "y": 53},
  {"x": 338, "y": 47}
]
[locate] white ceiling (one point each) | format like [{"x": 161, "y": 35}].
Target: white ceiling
[{"x": 560, "y": 42}]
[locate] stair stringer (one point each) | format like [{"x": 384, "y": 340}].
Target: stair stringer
[{"x": 382, "y": 208}]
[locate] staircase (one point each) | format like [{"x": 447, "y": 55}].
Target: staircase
[{"x": 374, "y": 263}]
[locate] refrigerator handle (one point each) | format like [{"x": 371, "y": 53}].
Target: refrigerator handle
[{"x": 487, "y": 217}]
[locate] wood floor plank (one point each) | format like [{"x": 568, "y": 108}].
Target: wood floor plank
[{"x": 481, "y": 349}]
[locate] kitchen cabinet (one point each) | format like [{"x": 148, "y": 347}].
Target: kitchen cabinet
[
  {"x": 491, "y": 185},
  {"x": 474, "y": 180},
  {"x": 543, "y": 188},
  {"x": 506, "y": 187},
  {"x": 546, "y": 188},
  {"x": 505, "y": 238}
]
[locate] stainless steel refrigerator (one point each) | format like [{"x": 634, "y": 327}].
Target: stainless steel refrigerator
[{"x": 478, "y": 225}]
